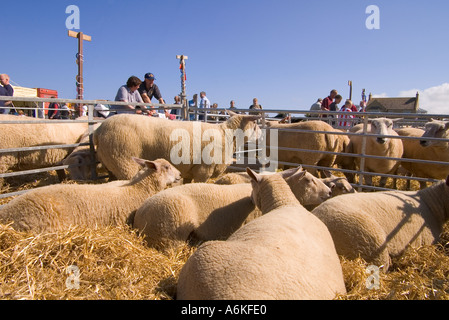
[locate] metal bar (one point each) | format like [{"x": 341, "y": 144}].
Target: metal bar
[
  {"x": 61, "y": 146},
  {"x": 23, "y": 173}
]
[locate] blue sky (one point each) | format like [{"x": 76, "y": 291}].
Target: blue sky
[{"x": 286, "y": 53}]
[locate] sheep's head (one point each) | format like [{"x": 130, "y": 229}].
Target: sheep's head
[
  {"x": 382, "y": 127},
  {"x": 248, "y": 124},
  {"x": 338, "y": 185},
  {"x": 436, "y": 129},
  {"x": 159, "y": 170},
  {"x": 78, "y": 163},
  {"x": 309, "y": 190}
]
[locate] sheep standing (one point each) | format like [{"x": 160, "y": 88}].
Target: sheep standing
[
  {"x": 309, "y": 141},
  {"x": 213, "y": 212},
  {"x": 286, "y": 254},
  {"x": 431, "y": 150},
  {"x": 123, "y": 136},
  {"x": 382, "y": 224},
  {"x": 375, "y": 146},
  {"x": 412, "y": 150},
  {"x": 35, "y": 134},
  {"x": 55, "y": 208}
]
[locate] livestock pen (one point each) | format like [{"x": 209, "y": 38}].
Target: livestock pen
[
  {"x": 253, "y": 155},
  {"x": 115, "y": 264}
]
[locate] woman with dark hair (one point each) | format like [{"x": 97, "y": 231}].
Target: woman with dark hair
[{"x": 128, "y": 93}]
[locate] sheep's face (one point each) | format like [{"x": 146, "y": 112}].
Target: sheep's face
[
  {"x": 308, "y": 189},
  {"x": 339, "y": 186},
  {"x": 79, "y": 165},
  {"x": 170, "y": 175},
  {"x": 161, "y": 170},
  {"x": 383, "y": 127},
  {"x": 253, "y": 130},
  {"x": 436, "y": 129}
]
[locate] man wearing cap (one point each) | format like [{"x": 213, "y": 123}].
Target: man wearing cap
[{"x": 148, "y": 89}]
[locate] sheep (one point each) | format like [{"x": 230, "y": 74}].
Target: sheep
[
  {"x": 375, "y": 146},
  {"x": 57, "y": 207},
  {"x": 427, "y": 150},
  {"x": 286, "y": 254},
  {"x": 338, "y": 185},
  {"x": 123, "y": 136},
  {"x": 377, "y": 226},
  {"x": 34, "y": 134},
  {"x": 310, "y": 141},
  {"x": 412, "y": 150},
  {"x": 80, "y": 158},
  {"x": 210, "y": 211}
]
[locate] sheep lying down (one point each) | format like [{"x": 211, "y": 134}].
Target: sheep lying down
[
  {"x": 378, "y": 225},
  {"x": 338, "y": 185},
  {"x": 286, "y": 254},
  {"x": 57, "y": 207},
  {"x": 211, "y": 212}
]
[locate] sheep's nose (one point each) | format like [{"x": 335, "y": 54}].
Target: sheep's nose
[{"x": 424, "y": 143}]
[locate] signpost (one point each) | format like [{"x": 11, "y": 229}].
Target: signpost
[{"x": 80, "y": 59}]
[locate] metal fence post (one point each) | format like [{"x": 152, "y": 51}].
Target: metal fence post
[
  {"x": 93, "y": 160},
  {"x": 362, "y": 159}
]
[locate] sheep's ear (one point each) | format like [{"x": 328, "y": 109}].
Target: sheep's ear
[
  {"x": 254, "y": 176},
  {"x": 253, "y": 118},
  {"x": 327, "y": 173},
  {"x": 446, "y": 125},
  {"x": 299, "y": 175},
  {"x": 397, "y": 119},
  {"x": 153, "y": 165},
  {"x": 140, "y": 162},
  {"x": 231, "y": 113},
  {"x": 290, "y": 172}
]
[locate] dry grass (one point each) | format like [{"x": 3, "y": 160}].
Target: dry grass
[{"x": 114, "y": 263}]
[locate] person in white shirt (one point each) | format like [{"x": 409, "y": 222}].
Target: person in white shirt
[{"x": 204, "y": 104}]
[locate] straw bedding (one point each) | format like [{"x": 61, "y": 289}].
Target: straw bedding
[{"x": 114, "y": 263}]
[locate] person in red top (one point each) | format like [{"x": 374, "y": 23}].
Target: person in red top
[{"x": 325, "y": 105}]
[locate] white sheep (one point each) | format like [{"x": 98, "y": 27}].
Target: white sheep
[
  {"x": 375, "y": 146},
  {"x": 309, "y": 141},
  {"x": 56, "y": 207},
  {"x": 338, "y": 185},
  {"x": 123, "y": 136},
  {"x": 378, "y": 225},
  {"x": 412, "y": 150},
  {"x": 430, "y": 150},
  {"x": 79, "y": 160},
  {"x": 286, "y": 254},
  {"x": 212, "y": 212},
  {"x": 35, "y": 134}
]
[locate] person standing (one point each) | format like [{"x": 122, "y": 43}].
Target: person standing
[
  {"x": 148, "y": 89},
  {"x": 325, "y": 106},
  {"x": 316, "y": 107},
  {"x": 53, "y": 110},
  {"x": 346, "y": 119},
  {"x": 129, "y": 93},
  {"x": 255, "y": 106},
  {"x": 6, "y": 90},
  {"x": 204, "y": 104}
]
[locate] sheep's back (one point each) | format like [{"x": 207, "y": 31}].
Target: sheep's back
[{"x": 285, "y": 254}]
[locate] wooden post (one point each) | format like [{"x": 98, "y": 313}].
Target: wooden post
[{"x": 80, "y": 59}]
